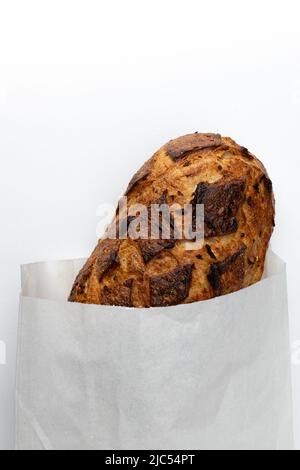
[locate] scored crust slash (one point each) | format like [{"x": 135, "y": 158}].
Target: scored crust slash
[{"x": 239, "y": 217}]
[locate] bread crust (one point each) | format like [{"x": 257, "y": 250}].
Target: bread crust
[{"x": 239, "y": 208}]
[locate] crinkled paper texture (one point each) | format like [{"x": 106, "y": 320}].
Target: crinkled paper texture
[{"x": 210, "y": 375}]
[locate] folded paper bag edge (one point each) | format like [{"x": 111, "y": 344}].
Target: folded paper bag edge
[
  {"x": 47, "y": 311},
  {"x": 32, "y": 273}
]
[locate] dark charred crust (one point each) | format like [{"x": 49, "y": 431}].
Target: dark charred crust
[
  {"x": 172, "y": 288},
  {"x": 246, "y": 153},
  {"x": 210, "y": 252},
  {"x": 151, "y": 248},
  {"x": 256, "y": 187},
  {"x": 250, "y": 201},
  {"x": 268, "y": 184},
  {"x": 141, "y": 175},
  {"x": 228, "y": 275},
  {"x": 118, "y": 294},
  {"x": 108, "y": 256},
  {"x": 179, "y": 148},
  {"x": 222, "y": 202}
]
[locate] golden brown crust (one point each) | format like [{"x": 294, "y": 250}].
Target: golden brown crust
[
  {"x": 237, "y": 194},
  {"x": 140, "y": 175},
  {"x": 107, "y": 257}
]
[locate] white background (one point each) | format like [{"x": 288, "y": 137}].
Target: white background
[{"x": 90, "y": 89}]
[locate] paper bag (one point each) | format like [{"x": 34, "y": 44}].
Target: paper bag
[{"x": 210, "y": 375}]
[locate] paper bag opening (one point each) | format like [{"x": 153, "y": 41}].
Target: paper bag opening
[{"x": 211, "y": 375}]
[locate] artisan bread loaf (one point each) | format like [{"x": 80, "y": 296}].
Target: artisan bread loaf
[{"x": 238, "y": 200}]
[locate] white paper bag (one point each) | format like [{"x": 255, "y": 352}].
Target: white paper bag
[{"x": 210, "y": 375}]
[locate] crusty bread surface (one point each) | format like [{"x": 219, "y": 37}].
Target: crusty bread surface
[{"x": 239, "y": 214}]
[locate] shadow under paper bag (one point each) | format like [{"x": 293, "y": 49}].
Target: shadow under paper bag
[{"x": 209, "y": 375}]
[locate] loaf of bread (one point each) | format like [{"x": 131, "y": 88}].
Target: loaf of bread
[{"x": 239, "y": 213}]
